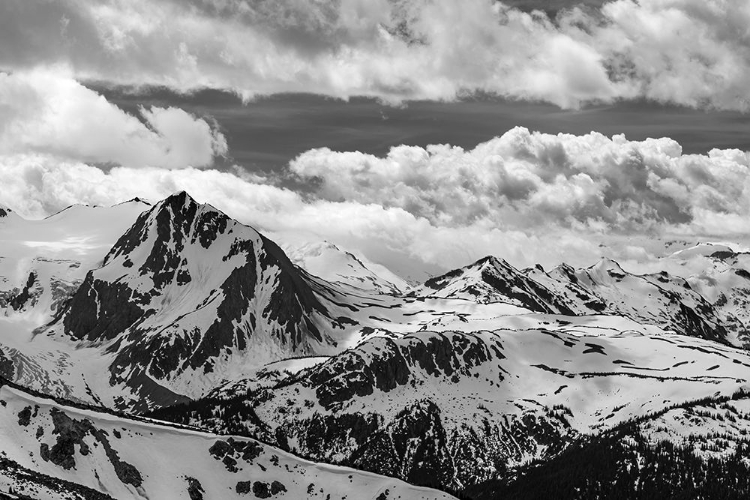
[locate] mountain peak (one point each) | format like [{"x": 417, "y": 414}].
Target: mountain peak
[
  {"x": 492, "y": 261},
  {"x": 187, "y": 210},
  {"x": 492, "y": 279},
  {"x": 564, "y": 268},
  {"x": 136, "y": 199},
  {"x": 488, "y": 259},
  {"x": 179, "y": 199},
  {"x": 221, "y": 287},
  {"x": 476, "y": 272},
  {"x": 336, "y": 265},
  {"x": 172, "y": 223},
  {"x": 609, "y": 265},
  {"x": 313, "y": 249}
]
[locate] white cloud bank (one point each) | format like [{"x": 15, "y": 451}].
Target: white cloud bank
[
  {"x": 528, "y": 197},
  {"x": 527, "y": 180},
  {"x": 689, "y": 52}
]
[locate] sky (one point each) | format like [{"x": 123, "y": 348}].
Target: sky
[{"x": 422, "y": 134}]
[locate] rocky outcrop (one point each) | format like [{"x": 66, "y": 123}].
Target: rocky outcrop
[{"x": 70, "y": 434}]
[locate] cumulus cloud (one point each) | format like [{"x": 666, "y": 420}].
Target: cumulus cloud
[
  {"x": 689, "y": 52},
  {"x": 524, "y": 196},
  {"x": 45, "y": 112},
  {"x": 526, "y": 180}
]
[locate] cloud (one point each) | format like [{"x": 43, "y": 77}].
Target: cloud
[
  {"x": 39, "y": 185},
  {"x": 524, "y": 179},
  {"x": 525, "y": 196},
  {"x": 45, "y": 112},
  {"x": 688, "y": 52}
]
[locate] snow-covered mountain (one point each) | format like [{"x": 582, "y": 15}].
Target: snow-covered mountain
[
  {"x": 55, "y": 451},
  {"x": 188, "y": 297},
  {"x": 494, "y": 280},
  {"x": 171, "y": 302},
  {"x": 329, "y": 262},
  {"x": 604, "y": 288},
  {"x": 656, "y": 299},
  {"x": 177, "y": 310},
  {"x": 722, "y": 276},
  {"x": 186, "y": 300}
]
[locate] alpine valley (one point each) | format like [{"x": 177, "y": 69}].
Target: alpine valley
[{"x": 168, "y": 351}]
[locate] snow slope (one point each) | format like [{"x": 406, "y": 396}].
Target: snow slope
[
  {"x": 125, "y": 458},
  {"x": 722, "y": 276},
  {"x": 329, "y": 262},
  {"x": 43, "y": 261}
]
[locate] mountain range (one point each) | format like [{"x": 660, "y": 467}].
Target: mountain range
[{"x": 139, "y": 335}]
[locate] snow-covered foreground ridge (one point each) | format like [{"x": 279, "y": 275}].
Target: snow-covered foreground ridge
[{"x": 51, "y": 450}]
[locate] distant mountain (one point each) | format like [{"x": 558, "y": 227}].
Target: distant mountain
[
  {"x": 334, "y": 265},
  {"x": 171, "y": 302},
  {"x": 656, "y": 299},
  {"x": 494, "y": 280},
  {"x": 605, "y": 288},
  {"x": 723, "y": 278}
]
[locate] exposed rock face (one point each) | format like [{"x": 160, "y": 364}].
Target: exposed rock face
[
  {"x": 260, "y": 489},
  {"x": 492, "y": 279},
  {"x": 230, "y": 452},
  {"x": 121, "y": 309},
  {"x": 24, "y": 416},
  {"x": 19, "y": 300},
  {"x": 195, "y": 489},
  {"x": 24, "y": 297},
  {"x": 441, "y": 355},
  {"x": 7, "y": 368},
  {"x": 71, "y": 434}
]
